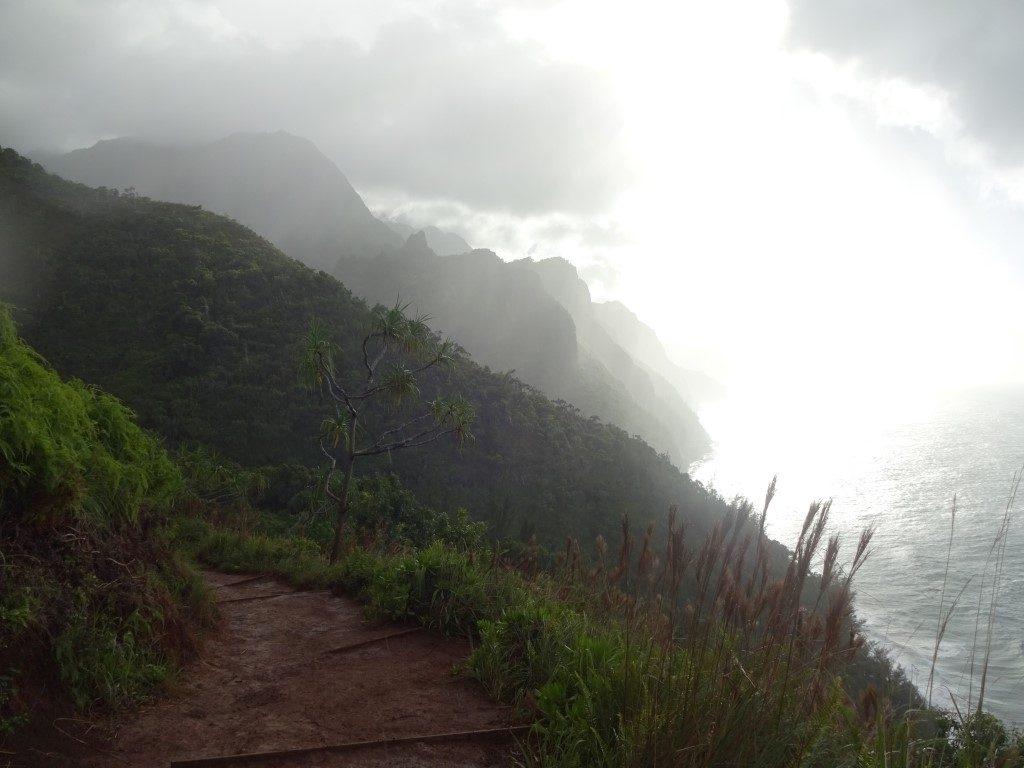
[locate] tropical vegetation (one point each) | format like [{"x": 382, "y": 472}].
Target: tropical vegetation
[{"x": 631, "y": 642}]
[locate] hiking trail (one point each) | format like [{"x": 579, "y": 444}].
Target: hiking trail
[{"x": 272, "y": 678}]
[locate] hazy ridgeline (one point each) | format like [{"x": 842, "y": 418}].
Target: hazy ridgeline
[
  {"x": 536, "y": 319},
  {"x": 197, "y": 323}
]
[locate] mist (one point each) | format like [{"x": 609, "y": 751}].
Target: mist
[{"x": 531, "y": 135}]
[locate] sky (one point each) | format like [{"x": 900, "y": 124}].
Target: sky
[{"x": 823, "y": 198}]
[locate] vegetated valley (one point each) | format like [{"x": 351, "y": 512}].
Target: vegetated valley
[{"x": 173, "y": 386}]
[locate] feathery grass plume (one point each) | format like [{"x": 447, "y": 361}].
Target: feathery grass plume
[
  {"x": 680, "y": 559},
  {"x": 940, "y": 628},
  {"x": 667, "y": 564},
  {"x": 645, "y": 565},
  {"x": 998, "y": 550},
  {"x": 529, "y": 563},
  {"x": 601, "y": 547},
  {"x": 572, "y": 561},
  {"x": 621, "y": 571},
  {"x": 566, "y": 558},
  {"x": 940, "y": 634},
  {"x": 828, "y": 566},
  {"x": 768, "y": 496},
  {"x": 861, "y": 553}
]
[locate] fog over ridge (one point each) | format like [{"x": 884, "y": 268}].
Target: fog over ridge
[
  {"x": 685, "y": 159},
  {"x": 446, "y": 107}
]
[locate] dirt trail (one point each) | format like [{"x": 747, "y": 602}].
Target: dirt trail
[{"x": 266, "y": 681}]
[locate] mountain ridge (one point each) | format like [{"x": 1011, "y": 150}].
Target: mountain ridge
[
  {"x": 505, "y": 319},
  {"x": 279, "y": 184},
  {"x": 197, "y": 324}
]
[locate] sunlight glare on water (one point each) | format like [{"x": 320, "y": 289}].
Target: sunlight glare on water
[{"x": 896, "y": 464}]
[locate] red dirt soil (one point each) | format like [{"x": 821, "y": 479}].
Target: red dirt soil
[{"x": 266, "y": 681}]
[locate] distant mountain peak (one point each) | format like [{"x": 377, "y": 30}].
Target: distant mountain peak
[
  {"x": 440, "y": 242},
  {"x": 562, "y": 280},
  {"x": 279, "y": 184},
  {"x": 416, "y": 245},
  {"x": 558, "y": 262},
  {"x": 615, "y": 311},
  {"x": 269, "y": 139}
]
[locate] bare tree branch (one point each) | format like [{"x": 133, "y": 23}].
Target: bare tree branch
[
  {"x": 371, "y": 368},
  {"x": 333, "y": 387},
  {"x": 330, "y": 472},
  {"x": 395, "y": 333},
  {"x": 401, "y": 427},
  {"x": 412, "y": 441}
]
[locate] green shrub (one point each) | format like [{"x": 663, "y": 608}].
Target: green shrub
[{"x": 94, "y": 607}]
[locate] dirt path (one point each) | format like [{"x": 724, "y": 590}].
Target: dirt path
[{"x": 268, "y": 681}]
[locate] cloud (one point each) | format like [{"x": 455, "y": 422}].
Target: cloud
[
  {"x": 446, "y": 106},
  {"x": 971, "y": 51}
]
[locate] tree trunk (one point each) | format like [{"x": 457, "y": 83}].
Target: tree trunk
[{"x": 339, "y": 524}]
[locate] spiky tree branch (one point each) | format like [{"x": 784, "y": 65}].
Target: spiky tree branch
[{"x": 397, "y": 336}]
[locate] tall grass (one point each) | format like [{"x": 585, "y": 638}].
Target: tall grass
[
  {"x": 997, "y": 559},
  {"x": 968, "y": 736},
  {"x": 694, "y": 654},
  {"x": 739, "y": 672}
]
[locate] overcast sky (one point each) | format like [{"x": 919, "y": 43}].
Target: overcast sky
[{"x": 822, "y": 191}]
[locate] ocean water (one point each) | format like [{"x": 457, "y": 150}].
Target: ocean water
[{"x": 897, "y": 466}]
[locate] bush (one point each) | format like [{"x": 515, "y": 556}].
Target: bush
[{"x": 95, "y": 609}]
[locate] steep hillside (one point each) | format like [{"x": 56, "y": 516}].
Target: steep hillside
[
  {"x": 94, "y": 608},
  {"x": 506, "y": 317},
  {"x": 639, "y": 381},
  {"x": 629, "y": 332},
  {"x": 198, "y": 323},
  {"x": 286, "y": 190},
  {"x": 278, "y": 184}
]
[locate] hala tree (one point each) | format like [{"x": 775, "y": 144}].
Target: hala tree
[{"x": 396, "y": 352}]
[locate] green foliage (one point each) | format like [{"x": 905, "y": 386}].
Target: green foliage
[
  {"x": 93, "y": 608},
  {"x": 384, "y": 511},
  {"x": 72, "y": 444},
  {"x": 512, "y": 316},
  {"x": 198, "y": 325},
  {"x": 210, "y": 478},
  {"x": 931, "y": 739},
  {"x": 737, "y": 673},
  {"x": 345, "y": 436},
  {"x": 603, "y": 674}
]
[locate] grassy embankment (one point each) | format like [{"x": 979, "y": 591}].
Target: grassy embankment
[{"x": 96, "y": 608}]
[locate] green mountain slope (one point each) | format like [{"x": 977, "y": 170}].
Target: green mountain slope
[
  {"x": 509, "y": 317},
  {"x": 675, "y": 416},
  {"x": 197, "y": 323},
  {"x": 285, "y": 189},
  {"x": 627, "y": 330}
]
